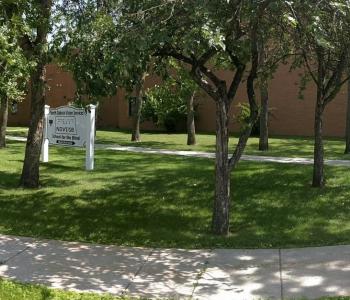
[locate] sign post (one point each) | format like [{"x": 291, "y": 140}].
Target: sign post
[
  {"x": 45, "y": 145},
  {"x": 90, "y": 141},
  {"x": 70, "y": 127}
]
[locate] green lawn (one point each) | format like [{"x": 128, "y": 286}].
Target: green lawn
[
  {"x": 279, "y": 146},
  {"x": 17, "y": 291},
  {"x": 165, "y": 201},
  {"x": 17, "y": 131}
]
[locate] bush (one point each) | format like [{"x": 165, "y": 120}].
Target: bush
[
  {"x": 166, "y": 106},
  {"x": 244, "y": 116}
]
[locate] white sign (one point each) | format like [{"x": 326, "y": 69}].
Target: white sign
[
  {"x": 71, "y": 127},
  {"x": 67, "y": 126}
]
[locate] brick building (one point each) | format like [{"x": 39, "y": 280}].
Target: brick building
[{"x": 291, "y": 116}]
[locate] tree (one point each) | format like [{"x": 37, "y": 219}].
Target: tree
[
  {"x": 203, "y": 35},
  {"x": 191, "y": 126},
  {"x": 274, "y": 49},
  {"x": 35, "y": 15},
  {"x": 174, "y": 100},
  {"x": 188, "y": 91},
  {"x": 264, "y": 112},
  {"x": 135, "y": 135},
  {"x": 347, "y": 124},
  {"x": 14, "y": 68},
  {"x": 3, "y": 120},
  {"x": 320, "y": 30},
  {"x": 101, "y": 54}
]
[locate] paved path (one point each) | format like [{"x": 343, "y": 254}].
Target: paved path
[
  {"x": 282, "y": 160},
  {"x": 178, "y": 274},
  {"x": 16, "y": 138}
]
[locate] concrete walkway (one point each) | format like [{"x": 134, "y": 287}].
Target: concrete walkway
[
  {"x": 271, "y": 159},
  {"x": 267, "y": 159},
  {"x": 178, "y": 274}
]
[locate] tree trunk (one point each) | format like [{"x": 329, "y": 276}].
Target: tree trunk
[
  {"x": 264, "y": 118},
  {"x": 221, "y": 216},
  {"x": 347, "y": 133},
  {"x": 254, "y": 112},
  {"x": 30, "y": 171},
  {"x": 38, "y": 52},
  {"x": 240, "y": 147},
  {"x": 3, "y": 120},
  {"x": 191, "y": 128},
  {"x": 135, "y": 136},
  {"x": 318, "y": 174}
]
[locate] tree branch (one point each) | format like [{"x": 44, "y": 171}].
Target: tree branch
[
  {"x": 198, "y": 69},
  {"x": 206, "y": 86},
  {"x": 170, "y": 52},
  {"x": 337, "y": 73},
  {"x": 237, "y": 78},
  {"x": 300, "y": 33},
  {"x": 208, "y": 73},
  {"x": 245, "y": 134},
  {"x": 26, "y": 44},
  {"x": 207, "y": 56},
  {"x": 335, "y": 91},
  {"x": 24, "y": 41},
  {"x": 308, "y": 67}
]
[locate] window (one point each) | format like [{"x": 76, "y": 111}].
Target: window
[
  {"x": 14, "y": 107},
  {"x": 132, "y": 105}
]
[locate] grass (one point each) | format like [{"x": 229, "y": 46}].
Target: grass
[
  {"x": 334, "y": 298},
  {"x": 162, "y": 201},
  {"x": 17, "y": 131},
  {"x": 279, "y": 146},
  {"x": 10, "y": 290}
]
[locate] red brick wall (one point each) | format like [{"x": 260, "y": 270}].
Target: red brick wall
[{"x": 291, "y": 115}]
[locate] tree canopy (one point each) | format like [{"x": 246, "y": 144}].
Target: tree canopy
[{"x": 14, "y": 65}]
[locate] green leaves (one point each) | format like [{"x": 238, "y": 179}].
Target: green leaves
[
  {"x": 322, "y": 36},
  {"x": 214, "y": 37},
  {"x": 166, "y": 103},
  {"x": 100, "y": 50},
  {"x": 14, "y": 67}
]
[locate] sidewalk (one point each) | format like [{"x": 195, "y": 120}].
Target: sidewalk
[
  {"x": 271, "y": 159},
  {"x": 267, "y": 159},
  {"x": 178, "y": 274}
]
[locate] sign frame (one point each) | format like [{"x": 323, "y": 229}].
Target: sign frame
[{"x": 89, "y": 125}]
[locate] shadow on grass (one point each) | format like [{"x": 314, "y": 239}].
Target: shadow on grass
[
  {"x": 8, "y": 181},
  {"x": 160, "y": 201},
  {"x": 284, "y": 146}
]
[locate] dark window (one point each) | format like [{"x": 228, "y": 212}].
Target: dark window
[
  {"x": 14, "y": 107},
  {"x": 132, "y": 106}
]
